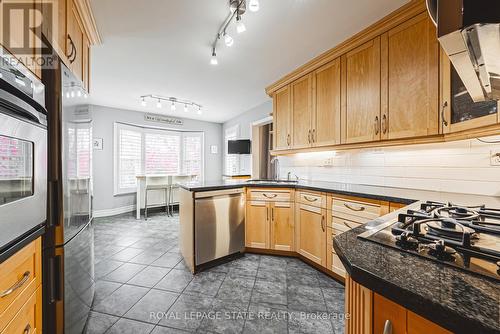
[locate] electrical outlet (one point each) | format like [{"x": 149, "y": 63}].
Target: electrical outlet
[{"x": 495, "y": 158}]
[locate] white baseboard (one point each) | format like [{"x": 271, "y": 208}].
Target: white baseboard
[{"x": 114, "y": 211}]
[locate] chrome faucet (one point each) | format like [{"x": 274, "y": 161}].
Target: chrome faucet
[
  {"x": 289, "y": 177},
  {"x": 276, "y": 170}
]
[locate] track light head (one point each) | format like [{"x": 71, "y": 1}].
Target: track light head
[
  {"x": 240, "y": 26},
  {"x": 214, "y": 60},
  {"x": 228, "y": 40},
  {"x": 254, "y": 5}
]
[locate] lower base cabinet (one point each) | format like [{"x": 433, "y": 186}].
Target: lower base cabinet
[
  {"x": 371, "y": 313},
  {"x": 282, "y": 226},
  {"x": 257, "y": 225},
  {"x": 311, "y": 233}
]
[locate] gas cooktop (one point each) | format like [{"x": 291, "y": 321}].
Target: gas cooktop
[{"x": 466, "y": 237}]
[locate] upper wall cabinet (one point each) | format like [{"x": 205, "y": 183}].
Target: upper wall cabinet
[
  {"x": 302, "y": 112},
  {"x": 326, "y": 101},
  {"x": 282, "y": 119},
  {"x": 410, "y": 62},
  {"x": 361, "y": 93}
]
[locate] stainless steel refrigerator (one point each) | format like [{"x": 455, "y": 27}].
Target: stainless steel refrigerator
[{"x": 69, "y": 241}]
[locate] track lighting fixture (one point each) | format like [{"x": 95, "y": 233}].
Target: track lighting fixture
[
  {"x": 237, "y": 9},
  {"x": 173, "y": 102}
]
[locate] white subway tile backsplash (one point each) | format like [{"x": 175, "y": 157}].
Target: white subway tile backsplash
[{"x": 461, "y": 166}]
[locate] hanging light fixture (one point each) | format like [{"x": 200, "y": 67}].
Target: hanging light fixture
[
  {"x": 199, "y": 110},
  {"x": 143, "y": 102},
  {"x": 240, "y": 26},
  {"x": 158, "y": 104},
  {"x": 185, "y": 107},
  {"x": 254, "y": 5},
  {"x": 173, "y": 102},
  {"x": 213, "y": 60},
  {"x": 228, "y": 40},
  {"x": 172, "y": 106}
]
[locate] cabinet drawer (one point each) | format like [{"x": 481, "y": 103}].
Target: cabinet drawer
[
  {"x": 275, "y": 195},
  {"x": 360, "y": 212},
  {"x": 21, "y": 275},
  {"x": 29, "y": 318},
  {"x": 311, "y": 198},
  {"x": 343, "y": 225}
]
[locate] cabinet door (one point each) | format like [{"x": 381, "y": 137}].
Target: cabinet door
[
  {"x": 282, "y": 119},
  {"x": 311, "y": 234},
  {"x": 362, "y": 93},
  {"x": 387, "y": 313},
  {"x": 301, "y": 112},
  {"x": 413, "y": 80},
  {"x": 419, "y": 325},
  {"x": 75, "y": 42},
  {"x": 86, "y": 63},
  {"x": 282, "y": 226},
  {"x": 257, "y": 225},
  {"x": 326, "y": 115}
]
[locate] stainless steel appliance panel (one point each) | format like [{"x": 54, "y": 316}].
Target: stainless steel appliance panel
[{"x": 219, "y": 224}]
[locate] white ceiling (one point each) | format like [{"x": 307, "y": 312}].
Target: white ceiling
[{"x": 163, "y": 47}]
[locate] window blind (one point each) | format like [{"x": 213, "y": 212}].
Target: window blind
[
  {"x": 129, "y": 157},
  {"x": 232, "y": 161},
  {"x": 162, "y": 153},
  {"x": 192, "y": 154}
]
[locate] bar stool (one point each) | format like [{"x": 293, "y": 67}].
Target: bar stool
[
  {"x": 157, "y": 183},
  {"x": 175, "y": 185}
]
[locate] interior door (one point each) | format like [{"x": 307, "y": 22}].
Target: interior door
[
  {"x": 362, "y": 93},
  {"x": 282, "y": 119},
  {"x": 413, "y": 80},
  {"x": 257, "y": 224},
  {"x": 326, "y": 116},
  {"x": 282, "y": 226},
  {"x": 301, "y": 112},
  {"x": 312, "y": 233}
]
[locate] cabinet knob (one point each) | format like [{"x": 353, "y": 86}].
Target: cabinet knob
[{"x": 388, "y": 327}]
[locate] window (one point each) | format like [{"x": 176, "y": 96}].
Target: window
[
  {"x": 141, "y": 150},
  {"x": 232, "y": 161}
]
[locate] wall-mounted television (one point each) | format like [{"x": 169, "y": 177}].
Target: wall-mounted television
[{"x": 241, "y": 146}]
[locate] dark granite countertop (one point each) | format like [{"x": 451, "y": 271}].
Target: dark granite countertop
[
  {"x": 456, "y": 300},
  {"x": 391, "y": 194}
]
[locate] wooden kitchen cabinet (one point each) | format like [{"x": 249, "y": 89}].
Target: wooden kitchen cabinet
[
  {"x": 359, "y": 305},
  {"x": 311, "y": 233},
  {"x": 282, "y": 226},
  {"x": 387, "y": 313},
  {"x": 302, "y": 112},
  {"x": 257, "y": 224},
  {"x": 361, "y": 93},
  {"x": 282, "y": 119},
  {"x": 419, "y": 325},
  {"x": 326, "y": 101},
  {"x": 75, "y": 47},
  {"x": 411, "y": 66}
]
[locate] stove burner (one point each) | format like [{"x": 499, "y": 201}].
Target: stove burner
[
  {"x": 442, "y": 252},
  {"x": 405, "y": 240},
  {"x": 457, "y": 212},
  {"x": 447, "y": 227}
]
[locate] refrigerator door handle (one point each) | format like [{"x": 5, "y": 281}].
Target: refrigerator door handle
[
  {"x": 53, "y": 204},
  {"x": 55, "y": 282}
]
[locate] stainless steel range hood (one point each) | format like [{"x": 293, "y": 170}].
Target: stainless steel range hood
[{"x": 469, "y": 33}]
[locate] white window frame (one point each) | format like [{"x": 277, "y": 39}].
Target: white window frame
[{"x": 143, "y": 130}]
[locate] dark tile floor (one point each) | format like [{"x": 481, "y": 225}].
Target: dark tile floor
[{"x": 143, "y": 286}]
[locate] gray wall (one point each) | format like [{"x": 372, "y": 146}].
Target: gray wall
[
  {"x": 103, "y": 122},
  {"x": 246, "y": 119}
]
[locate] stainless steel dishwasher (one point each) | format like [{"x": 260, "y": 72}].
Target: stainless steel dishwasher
[{"x": 219, "y": 224}]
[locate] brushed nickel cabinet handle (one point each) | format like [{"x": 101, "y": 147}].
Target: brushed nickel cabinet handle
[
  {"x": 309, "y": 137},
  {"x": 347, "y": 225},
  {"x": 314, "y": 135},
  {"x": 323, "y": 223},
  {"x": 443, "y": 107},
  {"x": 16, "y": 286},
  {"x": 272, "y": 214},
  {"x": 384, "y": 124},
  {"x": 310, "y": 199},
  {"x": 377, "y": 125},
  {"x": 27, "y": 329},
  {"x": 350, "y": 207},
  {"x": 288, "y": 139},
  {"x": 388, "y": 327},
  {"x": 269, "y": 196},
  {"x": 267, "y": 213}
]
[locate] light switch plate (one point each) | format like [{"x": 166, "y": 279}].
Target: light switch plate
[{"x": 495, "y": 158}]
